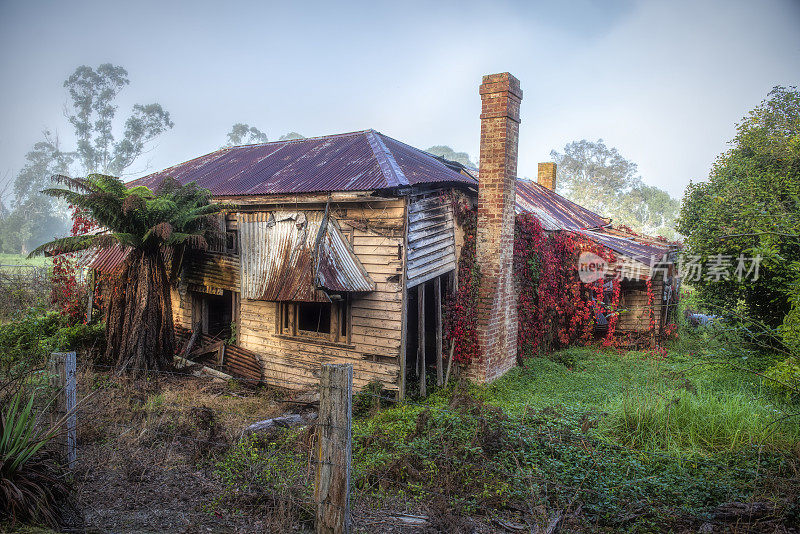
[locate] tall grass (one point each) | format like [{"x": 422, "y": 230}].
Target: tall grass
[{"x": 702, "y": 421}]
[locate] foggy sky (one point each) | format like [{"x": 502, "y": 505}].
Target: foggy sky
[{"x": 664, "y": 82}]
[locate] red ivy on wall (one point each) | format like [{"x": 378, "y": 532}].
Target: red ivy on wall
[
  {"x": 461, "y": 307},
  {"x": 613, "y": 316},
  {"x": 554, "y": 308}
]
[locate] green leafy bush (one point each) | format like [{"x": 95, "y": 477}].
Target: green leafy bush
[
  {"x": 785, "y": 376},
  {"x": 269, "y": 474},
  {"x": 29, "y": 340}
]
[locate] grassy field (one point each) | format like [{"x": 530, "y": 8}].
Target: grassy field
[
  {"x": 19, "y": 259},
  {"x": 678, "y": 402},
  {"x": 634, "y": 441}
]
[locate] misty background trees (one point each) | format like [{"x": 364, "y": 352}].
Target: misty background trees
[
  {"x": 448, "y": 153},
  {"x": 244, "y": 134},
  {"x": 30, "y": 218},
  {"x": 599, "y": 178},
  {"x": 589, "y": 173}
]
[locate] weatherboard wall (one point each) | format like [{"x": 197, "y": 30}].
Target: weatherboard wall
[{"x": 375, "y": 231}]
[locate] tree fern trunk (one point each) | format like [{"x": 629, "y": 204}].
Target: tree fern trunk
[{"x": 140, "y": 335}]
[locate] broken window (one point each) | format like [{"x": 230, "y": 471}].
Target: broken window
[{"x": 322, "y": 320}]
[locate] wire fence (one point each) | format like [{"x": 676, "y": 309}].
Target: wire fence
[{"x": 179, "y": 451}]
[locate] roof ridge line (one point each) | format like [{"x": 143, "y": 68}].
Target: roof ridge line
[
  {"x": 389, "y": 167},
  {"x": 311, "y": 138}
]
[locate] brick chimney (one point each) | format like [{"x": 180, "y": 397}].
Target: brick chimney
[
  {"x": 497, "y": 311},
  {"x": 547, "y": 175}
]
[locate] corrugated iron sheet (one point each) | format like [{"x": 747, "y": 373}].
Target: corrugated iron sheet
[
  {"x": 557, "y": 213},
  {"x": 554, "y": 211},
  {"x": 109, "y": 260},
  {"x": 358, "y": 161},
  {"x": 639, "y": 248},
  {"x": 431, "y": 239},
  {"x": 277, "y": 255},
  {"x": 215, "y": 271}
]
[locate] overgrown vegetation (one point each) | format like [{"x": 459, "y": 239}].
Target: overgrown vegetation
[
  {"x": 750, "y": 207},
  {"x": 31, "y": 484},
  {"x": 27, "y": 342}
]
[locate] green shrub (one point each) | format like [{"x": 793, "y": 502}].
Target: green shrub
[
  {"x": 29, "y": 340},
  {"x": 82, "y": 337},
  {"x": 271, "y": 476},
  {"x": 785, "y": 377}
]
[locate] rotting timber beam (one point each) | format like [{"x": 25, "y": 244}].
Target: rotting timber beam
[{"x": 423, "y": 390}]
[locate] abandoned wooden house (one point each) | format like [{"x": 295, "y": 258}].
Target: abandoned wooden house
[{"x": 342, "y": 248}]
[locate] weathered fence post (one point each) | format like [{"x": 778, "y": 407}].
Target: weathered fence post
[
  {"x": 332, "y": 485},
  {"x": 63, "y": 368}
]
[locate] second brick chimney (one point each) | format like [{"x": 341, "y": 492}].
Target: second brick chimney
[
  {"x": 497, "y": 310},
  {"x": 547, "y": 175}
]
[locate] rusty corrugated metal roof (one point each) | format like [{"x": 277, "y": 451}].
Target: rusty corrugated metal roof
[
  {"x": 643, "y": 249},
  {"x": 557, "y": 213},
  {"x": 358, "y": 161},
  {"x": 109, "y": 260},
  {"x": 554, "y": 211},
  {"x": 277, "y": 256}
]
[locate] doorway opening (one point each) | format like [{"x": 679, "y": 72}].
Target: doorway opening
[{"x": 425, "y": 347}]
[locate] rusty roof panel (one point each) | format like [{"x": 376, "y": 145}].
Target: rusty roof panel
[
  {"x": 640, "y": 248},
  {"x": 358, "y": 161},
  {"x": 554, "y": 211},
  {"x": 109, "y": 260},
  {"x": 277, "y": 258},
  {"x": 419, "y": 167}
]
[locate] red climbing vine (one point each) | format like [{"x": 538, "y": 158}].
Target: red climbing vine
[
  {"x": 460, "y": 317},
  {"x": 554, "y": 308},
  {"x": 67, "y": 294}
]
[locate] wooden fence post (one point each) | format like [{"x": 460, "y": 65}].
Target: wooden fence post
[
  {"x": 332, "y": 484},
  {"x": 63, "y": 379}
]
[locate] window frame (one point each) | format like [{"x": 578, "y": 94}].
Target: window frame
[{"x": 287, "y": 323}]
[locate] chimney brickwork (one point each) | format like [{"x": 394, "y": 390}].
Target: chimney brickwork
[
  {"x": 497, "y": 311},
  {"x": 547, "y": 175}
]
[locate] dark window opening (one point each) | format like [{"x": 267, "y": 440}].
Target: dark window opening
[
  {"x": 232, "y": 242},
  {"x": 314, "y": 317},
  {"x": 328, "y": 321},
  {"x": 215, "y": 314}
]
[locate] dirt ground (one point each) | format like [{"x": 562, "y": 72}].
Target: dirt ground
[{"x": 146, "y": 451}]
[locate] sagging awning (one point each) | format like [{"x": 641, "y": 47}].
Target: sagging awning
[{"x": 297, "y": 256}]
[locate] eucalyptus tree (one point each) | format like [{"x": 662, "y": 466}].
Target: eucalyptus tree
[
  {"x": 598, "y": 177},
  {"x": 92, "y": 113}
]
